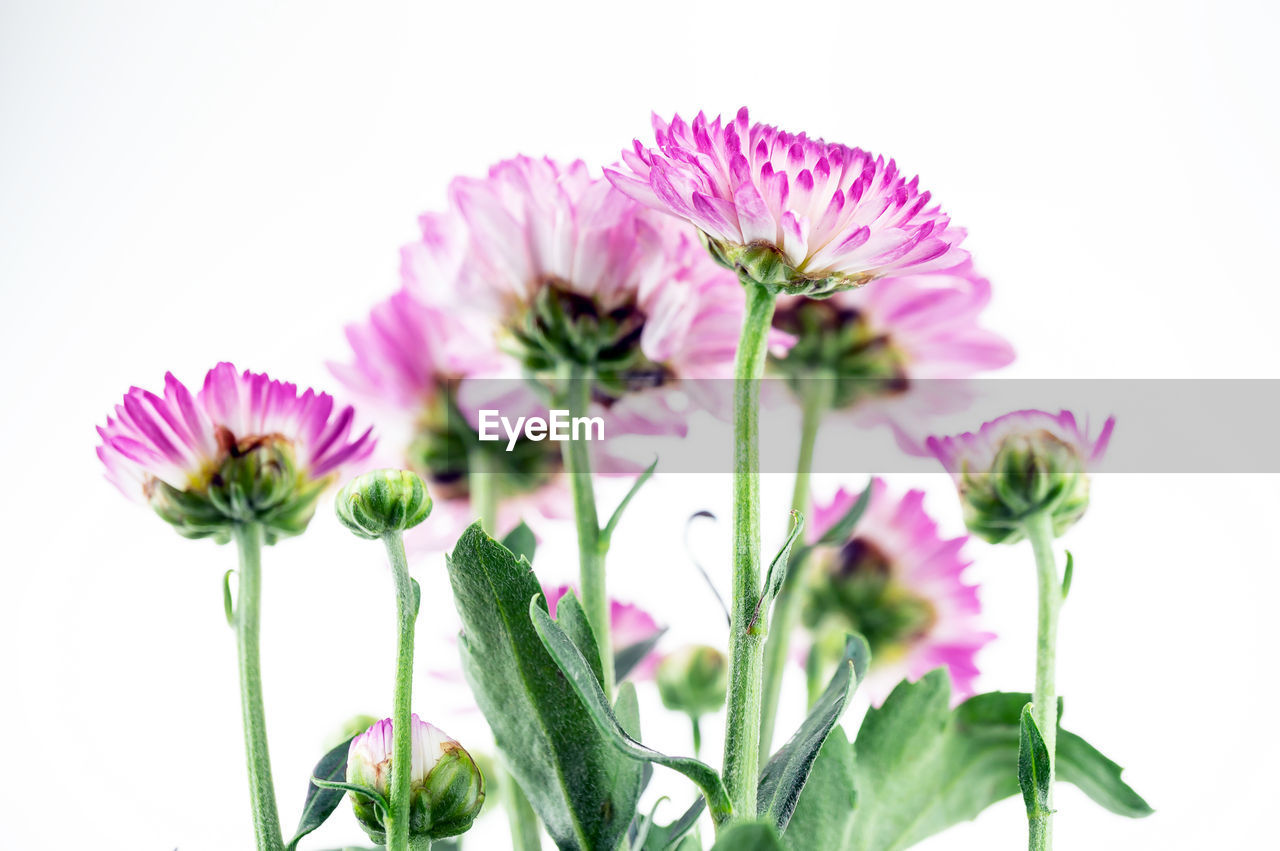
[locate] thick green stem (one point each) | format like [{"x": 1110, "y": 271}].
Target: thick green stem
[
  {"x": 402, "y": 709},
  {"x": 266, "y": 819},
  {"x": 482, "y": 482},
  {"x": 575, "y": 396},
  {"x": 815, "y": 398},
  {"x": 525, "y": 835},
  {"x": 1044, "y": 701},
  {"x": 746, "y": 646}
]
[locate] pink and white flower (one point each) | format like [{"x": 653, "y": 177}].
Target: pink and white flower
[
  {"x": 900, "y": 584},
  {"x": 834, "y": 216},
  {"x": 975, "y": 452},
  {"x": 175, "y": 451}
]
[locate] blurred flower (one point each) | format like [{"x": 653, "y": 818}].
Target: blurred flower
[
  {"x": 628, "y": 625},
  {"x": 693, "y": 680},
  {"x": 898, "y": 584},
  {"x": 1019, "y": 465},
  {"x": 570, "y": 271},
  {"x": 243, "y": 449},
  {"x": 411, "y": 362},
  {"x": 447, "y": 788},
  {"x": 799, "y": 214}
]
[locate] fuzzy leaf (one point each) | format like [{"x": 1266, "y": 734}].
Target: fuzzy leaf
[
  {"x": 320, "y": 803},
  {"x": 584, "y": 791},
  {"x": 573, "y": 620},
  {"x": 921, "y": 767},
  {"x": 785, "y": 775},
  {"x": 522, "y": 542},
  {"x": 577, "y": 671},
  {"x": 1033, "y": 767},
  {"x": 662, "y": 837},
  {"x": 824, "y": 816}
]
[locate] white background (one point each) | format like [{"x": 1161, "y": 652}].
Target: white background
[{"x": 187, "y": 182}]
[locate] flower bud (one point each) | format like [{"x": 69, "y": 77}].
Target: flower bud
[
  {"x": 374, "y": 504},
  {"x": 1020, "y": 466},
  {"x": 693, "y": 680},
  {"x": 446, "y": 787}
]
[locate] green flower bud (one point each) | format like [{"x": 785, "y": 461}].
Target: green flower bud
[
  {"x": 384, "y": 501},
  {"x": 693, "y": 680},
  {"x": 446, "y": 787}
]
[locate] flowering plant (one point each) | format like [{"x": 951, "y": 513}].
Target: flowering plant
[{"x": 724, "y": 251}]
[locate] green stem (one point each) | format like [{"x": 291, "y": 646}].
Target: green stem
[
  {"x": 419, "y": 843},
  {"x": 815, "y": 399},
  {"x": 696, "y": 723},
  {"x": 575, "y": 395},
  {"x": 402, "y": 709},
  {"x": 525, "y": 835},
  {"x": 1044, "y": 701},
  {"x": 746, "y": 646},
  {"x": 483, "y": 486},
  {"x": 266, "y": 819}
]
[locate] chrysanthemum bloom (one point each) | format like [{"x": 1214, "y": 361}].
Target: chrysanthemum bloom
[
  {"x": 447, "y": 787},
  {"x": 900, "y": 585},
  {"x": 1022, "y": 465},
  {"x": 629, "y": 625},
  {"x": 874, "y": 344},
  {"x": 410, "y": 359},
  {"x": 795, "y": 214},
  {"x": 576, "y": 273},
  {"x": 244, "y": 449}
]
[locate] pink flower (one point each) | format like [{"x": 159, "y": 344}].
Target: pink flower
[
  {"x": 975, "y": 453},
  {"x": 1022, "y": 466},
  {"x": 548, "y": 246},
  {"x": 900, "y": 585},
  {"x": 628, "y": 625},
  {"x": 834, "y": 216},
  {"x": 177, "y": 451},
  {"x": 410, "y": 361}
]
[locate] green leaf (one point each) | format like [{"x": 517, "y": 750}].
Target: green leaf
[
  {"x": 582, "y": 789},
  {"x": 1033, "y": 768},
  {"x": 664, "y": 836},
  {"x": 748, "y": 836},
  {"x": 626, "y": 659},
  {"x": 922, "y": 767},
  {"x": 824, "y": 816},
  {"x": 522, "y": 542},
  {"x": 577, "y": 671},
  {"x": 785, "y": 775},
  {"x": 606, "y": 534},
  {"x": 840, "y": 531},
  {"x": 228, "y": 607},
  {"x": 1067, "y": 573},
  {"x": 573, "y": 620},
  {"x": 320, "y": 803},
  {"x": 777, "y": 572}
]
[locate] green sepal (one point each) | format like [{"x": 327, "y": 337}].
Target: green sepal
[
  {"x": 584, "y": 792},
  {"x": 785, "y": 775},
  {"x": 577, "y": 671},
  {"x": 321, "y": 802}
]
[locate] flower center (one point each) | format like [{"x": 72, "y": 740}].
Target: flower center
[{"x": 838, "y": 341}]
